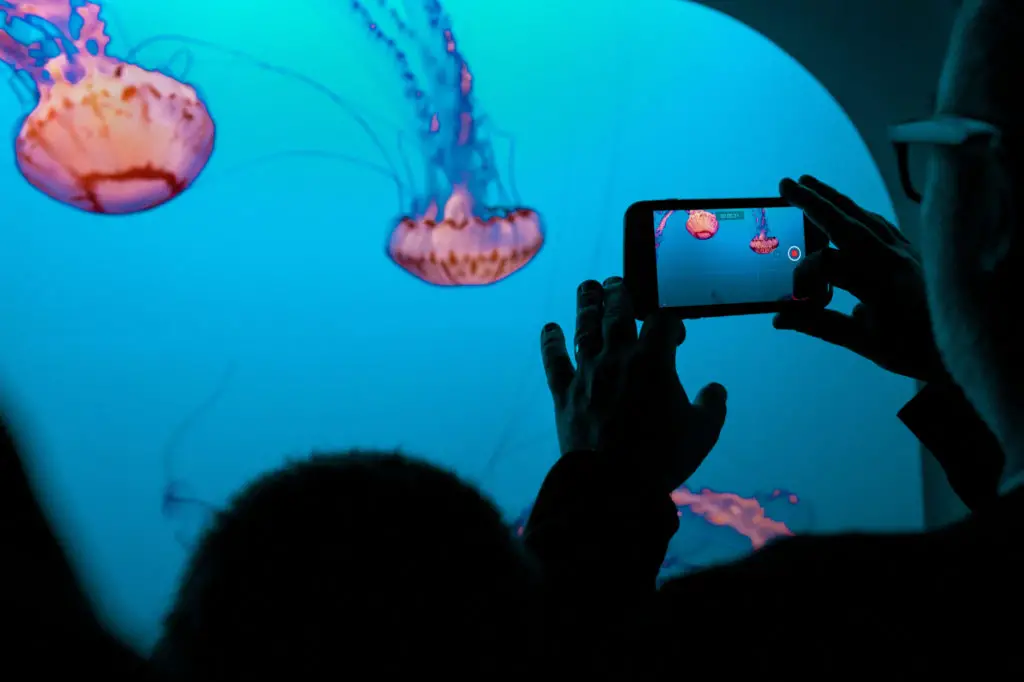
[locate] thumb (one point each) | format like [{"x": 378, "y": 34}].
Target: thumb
[
  {"x": 830, "y": 326},
  {"x": 710, "y": 402}
]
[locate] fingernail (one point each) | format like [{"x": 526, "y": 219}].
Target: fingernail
[
  {"x": 589, "y": 285},
  {"x": 612, "y": 282},
  {"x": 550, "y": 327}
]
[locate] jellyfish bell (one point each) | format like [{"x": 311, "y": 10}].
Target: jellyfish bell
[
  {"x": 702, "y": 224},
  {"x": 106, "y": 136},
  {"x": 118, "y": 141},
  {"x": 764, "y": 244},
  {"x": 463, "y": 248}
]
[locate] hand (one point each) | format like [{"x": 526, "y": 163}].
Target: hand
[
  {"x": 877, "y": 264},
  {"x": 623, "y": 396}
]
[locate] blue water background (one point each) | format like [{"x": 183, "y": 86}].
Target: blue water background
[{"x": 114, "y": 329}]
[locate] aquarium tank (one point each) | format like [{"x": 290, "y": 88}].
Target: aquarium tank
[{"x": 237, "y": 233}]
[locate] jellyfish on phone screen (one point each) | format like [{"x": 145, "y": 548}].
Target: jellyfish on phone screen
[
  {"x": 762, "y": 243},
  {"x": 105, "y": 135},
  {"x": 449, "y": 235},
  {"x": 661, "y": 218},
  {"x": 702, "y": 224}
]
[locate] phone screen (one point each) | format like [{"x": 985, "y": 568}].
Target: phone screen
[{"x": 713, "y": 257}]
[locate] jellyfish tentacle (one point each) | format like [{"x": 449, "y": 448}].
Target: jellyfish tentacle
[
  {"x": 182, "y": 73},
  {"x": 22, "y": 91},
  {"x": 320, "y": 154},
  {"x": 512, "y": 185},
  {"x": 298, "y": 76},
  {"x": 413, "y": 90},
  {"x": 176, "y": 501},
  {"x": 175, "y": 495},
  {"x": 183, "y": 427},
  {"x": 410, "y": 176}
]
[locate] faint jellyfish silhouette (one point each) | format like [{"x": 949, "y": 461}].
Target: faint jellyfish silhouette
[
  {"x": 763, "y": 243},
  {"x": 447, "y": 237},
  {"x": 105, "y": 136},
  {"x": 188, "y": 515},
  {"x": 702, "y": 224}
]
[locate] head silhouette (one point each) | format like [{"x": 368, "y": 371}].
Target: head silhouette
[
  {"x": 973, "y": 219},
  {"x": 362, "y": 564}
]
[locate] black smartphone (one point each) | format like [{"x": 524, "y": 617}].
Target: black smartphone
[{"x": 716, "y": 257}]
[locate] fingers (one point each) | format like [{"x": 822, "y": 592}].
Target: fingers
[
  {"x": 589, "y": 312},
  {"x": 875, "y": 223},
  {"x": 831, "y": 267},
  {"x": 710, "y": 402},
  {"x": 619, "y": 325},
  {"x": 660, "y": 335},
  {"x": 830, "y": 326},
  {"x": 888, "y": 228},
  {"x": 557, "y": 365},
  {"x": 842, "y": 229}
]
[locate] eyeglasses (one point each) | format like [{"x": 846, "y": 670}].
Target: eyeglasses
[{"x": 944, "y": 131}]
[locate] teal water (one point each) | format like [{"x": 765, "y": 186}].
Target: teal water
[{"x": 269, "y": 275}]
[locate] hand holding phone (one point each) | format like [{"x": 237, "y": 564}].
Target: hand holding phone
[{"x": 718, "y": 257}]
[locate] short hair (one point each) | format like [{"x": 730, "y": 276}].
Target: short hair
[{"x": 367, "y": 563}]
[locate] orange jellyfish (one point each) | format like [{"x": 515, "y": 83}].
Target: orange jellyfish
[
  {"x": 763, "y": 243},
  {"x": 745, "y": 515},
  {"x": 462, "y": 248},
  {"x": 450, "y": 236},
  {"x": 702, "y": 224},
  {"x": 105, "y": 136}
]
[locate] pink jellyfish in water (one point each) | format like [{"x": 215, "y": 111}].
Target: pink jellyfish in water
[
  {"x": 449, "y": 236},
  {"x": 105, "y": 136},
  {"x": 763, "y": 243},
  {"x": 702, "y": 224}
]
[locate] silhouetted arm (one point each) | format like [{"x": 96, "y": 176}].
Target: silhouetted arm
[
  {"x": 595, "y": 527},
  {"x": 949, "y": 427}
]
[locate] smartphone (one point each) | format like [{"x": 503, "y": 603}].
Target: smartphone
[{"x": 717, "y": 257}]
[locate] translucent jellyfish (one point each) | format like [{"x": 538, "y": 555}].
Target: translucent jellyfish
[
  {"x": 449, "y": 236},
  {"x": 105, "y": 136},
  {"x": 763, "y": 243},
  {"x": 186, "y": 513},
  {"x": 702, "y": 224}
]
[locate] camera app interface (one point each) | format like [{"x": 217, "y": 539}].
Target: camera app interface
[{"x": 729, "y": 256}]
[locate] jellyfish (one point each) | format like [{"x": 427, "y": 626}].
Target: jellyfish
[
  {"x": 449, "y": 235},
  {"x": 659, "y": 228},
  {"x": 105, "y": 136},
  {"x": 746, "y": 517},
  {"x": 763, "y": 243},
  {"x": 187, "y": 514},
  {"x": 702, "y": 224}
]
